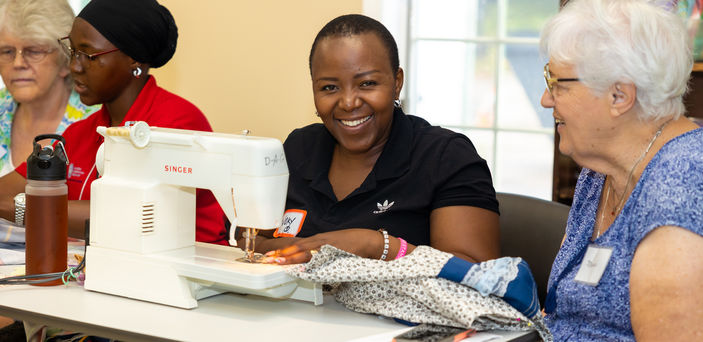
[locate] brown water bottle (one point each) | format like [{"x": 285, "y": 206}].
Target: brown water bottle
[{"x": 46, "y": 213}]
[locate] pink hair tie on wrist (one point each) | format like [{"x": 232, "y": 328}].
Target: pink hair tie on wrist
[{"x": 403, "y": 248}]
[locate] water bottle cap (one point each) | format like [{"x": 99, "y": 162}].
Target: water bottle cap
[{"x": 49, "y": 162}]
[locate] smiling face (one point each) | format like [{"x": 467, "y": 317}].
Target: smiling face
[
  {"x": 28, "y": 81},
  {"x": 582, "y": 117},
  {"x": 354, "y": 89},
  {"x": 101, "y": 80}
]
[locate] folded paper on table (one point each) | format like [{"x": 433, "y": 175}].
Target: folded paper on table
[{"x": 12, "y": 245}]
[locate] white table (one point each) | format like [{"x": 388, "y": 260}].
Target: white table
[{"x": 223, "y": 317}]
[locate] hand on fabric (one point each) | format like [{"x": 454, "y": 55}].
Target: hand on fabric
[{"x": 362, "y": 242}]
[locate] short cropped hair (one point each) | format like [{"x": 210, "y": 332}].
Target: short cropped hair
[
  {"x": 356, "y": 24},
  {"x": 629, "y": 41},
  {"x": 38, "y": 21}
]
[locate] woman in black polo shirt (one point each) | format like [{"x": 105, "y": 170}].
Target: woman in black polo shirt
[{"x": 370, "y": 179}]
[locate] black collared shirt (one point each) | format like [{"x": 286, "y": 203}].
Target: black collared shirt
[{"x": 421, "y": 168}]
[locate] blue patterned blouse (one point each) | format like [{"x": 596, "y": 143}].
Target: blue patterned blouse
[
  {"x": 669, "y": 193},
  {"x": 75, "y": 110}
]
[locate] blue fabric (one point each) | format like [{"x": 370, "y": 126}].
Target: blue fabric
[
  {"x": 669, "y": 193},
  {"x": 508, "y": 278},
  {"x": 522, "y": 292},
  {"x": 493, "y": 280},
  {"x": 404, "y": 322},
  {"x": 455, "y": 269}
]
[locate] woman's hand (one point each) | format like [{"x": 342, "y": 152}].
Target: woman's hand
[
  {"x": 468, "y": 232},
  {"x": 264, "y": 241},
  {"x": 365, "y": 243}
]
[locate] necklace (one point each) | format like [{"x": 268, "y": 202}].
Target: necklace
[
  {"x": 616, "y": 208},
  {"x": 620, "y": 202},
  {"x": 602, "y": 211}
]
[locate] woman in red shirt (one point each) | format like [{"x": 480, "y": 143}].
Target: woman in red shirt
[{"x": 112, "y": 45}]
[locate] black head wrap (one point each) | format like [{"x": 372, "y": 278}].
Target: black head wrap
[{"x": 142, "y": 29}]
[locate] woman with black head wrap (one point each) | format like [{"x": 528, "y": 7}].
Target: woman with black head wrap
[
  {"x": 129, "y": 38},
  {"x": 112, "y": 45}
]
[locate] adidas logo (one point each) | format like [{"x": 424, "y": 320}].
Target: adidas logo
[{"x": 382, "y": 208}]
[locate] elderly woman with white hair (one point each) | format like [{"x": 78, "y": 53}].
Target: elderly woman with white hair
[
  {"x": 37, "y": 97},
  {"x": 631, "y": 264}
]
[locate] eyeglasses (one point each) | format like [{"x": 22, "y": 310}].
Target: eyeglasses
[
  {"x": 551, "y": 82},
  {"x": 31, "y": 54},
  {"x": 79, "y": 55}
]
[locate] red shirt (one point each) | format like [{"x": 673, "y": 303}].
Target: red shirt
[{"x": 159, "y": 108}]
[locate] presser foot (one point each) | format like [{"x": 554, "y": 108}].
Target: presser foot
[{"x": 254, "y": 258}]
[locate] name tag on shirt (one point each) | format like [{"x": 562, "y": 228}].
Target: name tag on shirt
[
  {"x": 593, "y": 264},
  {"x": 292, "y": 222}
]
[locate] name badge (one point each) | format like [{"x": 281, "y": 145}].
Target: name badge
[
  {"x": 292, "y": 222},
  {"x": 593, "y": 265}
]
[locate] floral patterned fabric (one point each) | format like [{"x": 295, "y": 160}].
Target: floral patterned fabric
[
  {"x": 411, "y": 290},
  {"x": 75, "y": 110}
]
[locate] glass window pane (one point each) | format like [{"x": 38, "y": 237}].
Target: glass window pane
[
  {"x": 454, "y": 83},
  {"x": 462, "y": 77},
  {"x": 77, "y": 5},
  {"x": 521, "y": 88},
  {"x": 454, "y": 19},
  {"x": 524, "y": 164},
  {"x": 526, "y": 17},
  {"x": 483, "y": 142}
]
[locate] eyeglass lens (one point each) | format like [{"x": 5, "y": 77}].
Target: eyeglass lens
[
  {"x": 81, "y": 56},
  {"x": 65, "y": 43},
  {"x": 547, "y": 78},
  {"x": 31, "y": 54}
]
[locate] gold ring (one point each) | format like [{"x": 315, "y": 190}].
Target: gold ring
[{"x": 313, "y": 252}]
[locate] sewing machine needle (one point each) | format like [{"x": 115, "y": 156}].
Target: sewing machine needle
[{"x": 250, "y": 240}]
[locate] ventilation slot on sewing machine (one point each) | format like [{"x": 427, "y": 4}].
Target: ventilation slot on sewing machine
[{"x": 147, "y": 218}]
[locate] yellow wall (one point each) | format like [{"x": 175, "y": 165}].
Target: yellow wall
[{"x": 245, "y": 63}]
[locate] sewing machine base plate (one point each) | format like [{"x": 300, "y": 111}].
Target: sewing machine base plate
[{"x": 180, "y": 277}]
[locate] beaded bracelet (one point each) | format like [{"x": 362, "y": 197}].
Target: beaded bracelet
[
  {"x": 402, "y": 249},
  {"x": 385, "y": 243}
]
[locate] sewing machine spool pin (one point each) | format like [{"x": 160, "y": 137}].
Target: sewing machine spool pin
[{"x": 138, "y": 133}]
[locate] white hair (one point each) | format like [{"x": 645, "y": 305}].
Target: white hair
[
  {"x": 628, "y": 41},
  {"x": 38, "y": 21}
]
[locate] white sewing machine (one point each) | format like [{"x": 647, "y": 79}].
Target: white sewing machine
[{"x": 142, "y": 215}]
